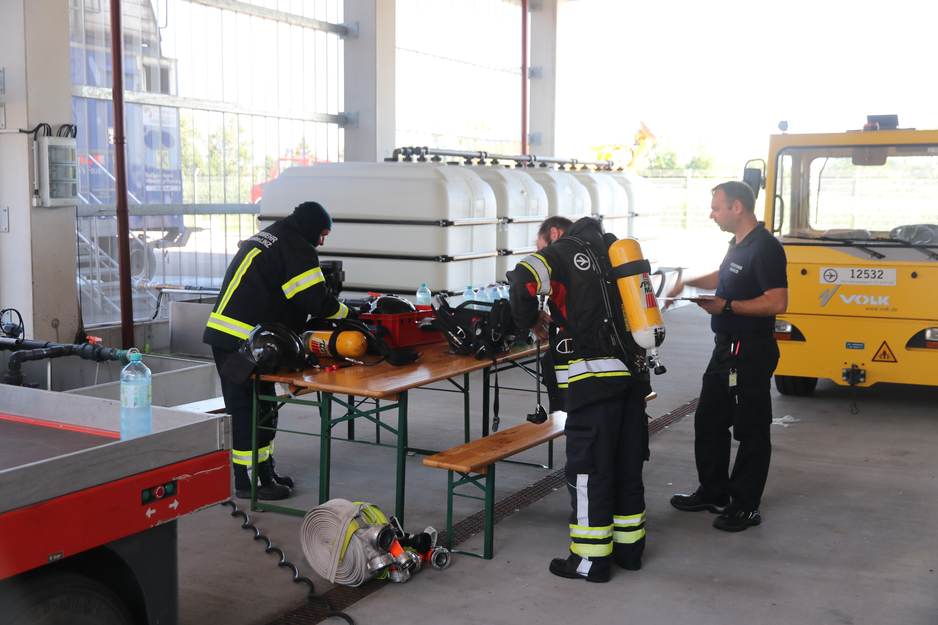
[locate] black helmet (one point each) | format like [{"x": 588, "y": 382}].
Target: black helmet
[
  {"x": 272, "y": 346},
  {"x": 391, "y": 305}
]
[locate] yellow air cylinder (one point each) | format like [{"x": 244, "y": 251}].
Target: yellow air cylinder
[
  {"x": 350, "y": 344},
  {"x": 642, "y": 315}
]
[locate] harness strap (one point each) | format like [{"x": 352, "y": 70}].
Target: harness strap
[{"x": 633, "y": 268}]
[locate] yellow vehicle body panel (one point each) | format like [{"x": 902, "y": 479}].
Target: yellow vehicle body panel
[{"x": 868, "y": 299}]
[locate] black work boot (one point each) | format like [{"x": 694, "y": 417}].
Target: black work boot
[
  {"x": 269, "y": 485},
  {"x": 575, "y": 567},
  {"x": 283, "y": 480},
  {"x": 269, "y": 490}
]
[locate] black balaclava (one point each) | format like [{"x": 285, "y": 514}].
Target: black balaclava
[{"x": 313, "y": 219}]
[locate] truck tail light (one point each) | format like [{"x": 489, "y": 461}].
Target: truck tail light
[
  {"x": 786, "y": 331},
  {"x": 926, "y": 339}
]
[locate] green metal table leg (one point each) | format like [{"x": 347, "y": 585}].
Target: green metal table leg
[
  {"x": 489, "y": 512},
  {"x": 325, "y": 445},
  {"x": 449, "y": 512},
  {"x": 401, "y": 455}
]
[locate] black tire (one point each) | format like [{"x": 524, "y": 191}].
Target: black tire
[
  {"x": 795, "y": 385},
  {"x": 63, "y": 599}
]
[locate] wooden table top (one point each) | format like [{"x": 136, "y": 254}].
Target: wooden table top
[{"x": 384, "y": 381}]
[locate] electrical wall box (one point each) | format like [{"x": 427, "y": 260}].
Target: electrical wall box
[{"x": 58, "y": 171}]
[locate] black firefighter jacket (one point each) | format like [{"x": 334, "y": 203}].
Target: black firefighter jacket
[
  {"x": 585, "y": 373},
  {"x": 274, "y": 277}
]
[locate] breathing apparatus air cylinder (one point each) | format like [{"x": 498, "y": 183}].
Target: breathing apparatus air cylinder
[
  {"x": 642, "y": 315},
  {"x": 325, "y": 343}
]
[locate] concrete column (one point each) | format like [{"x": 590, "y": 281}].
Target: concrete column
[
  {"x": 369, "y": 79},
  {"x": 545, "y": 15},
  {"x": 37, "y": 253}
]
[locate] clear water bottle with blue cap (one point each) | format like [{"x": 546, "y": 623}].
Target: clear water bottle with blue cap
[
  {"x": 483, "y": 296},
  {"x": 469, "y": 295},
  {"x": 424, "y": 297},
  {"x": 136, "y": 398}
]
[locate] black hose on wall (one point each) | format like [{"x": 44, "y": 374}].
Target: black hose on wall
[{"x": 37, "y": 350}]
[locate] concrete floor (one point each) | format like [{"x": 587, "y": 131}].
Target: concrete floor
[{"x": 847, "y": 535}]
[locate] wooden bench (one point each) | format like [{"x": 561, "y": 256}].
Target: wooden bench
[{"x": 476, "y": 460}]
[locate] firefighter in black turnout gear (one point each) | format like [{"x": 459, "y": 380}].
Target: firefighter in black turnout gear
[
  {"x": 274, "y": 278},
  {"x": 606, "y": 427}
]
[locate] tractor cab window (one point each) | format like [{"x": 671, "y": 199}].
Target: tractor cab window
[{"x": 858, "y": 193}]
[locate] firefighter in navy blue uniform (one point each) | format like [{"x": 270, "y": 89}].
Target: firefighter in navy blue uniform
[
  {"x": 274, "y": 277},
  {"x": 751, "y": 288},
  {"x": 605, "y": 431}
]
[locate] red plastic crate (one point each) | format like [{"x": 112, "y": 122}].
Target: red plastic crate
[{"x": 403, "y": 328}]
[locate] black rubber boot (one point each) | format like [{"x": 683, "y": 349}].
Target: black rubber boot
[
  {"x": 269, "y": 491},
  {"x": 269, "y": 485},
  {"x": 283, "y": 480}
]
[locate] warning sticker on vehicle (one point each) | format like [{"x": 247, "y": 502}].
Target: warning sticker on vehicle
[
  {"x": 857, "y": 275},
  {"x": 884, "y": 354}
]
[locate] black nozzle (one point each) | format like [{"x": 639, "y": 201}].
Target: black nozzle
[{"x": 539, "y": 416}]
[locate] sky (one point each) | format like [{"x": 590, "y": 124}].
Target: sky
[{"x": 727, "y": 72}]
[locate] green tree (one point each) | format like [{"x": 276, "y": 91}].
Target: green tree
[
  {"x": 191, "y": 144},
  {"x": 701, "y": 158},
  {"x": 662, "y": 156},
  {"x": 228, "y": 153}
]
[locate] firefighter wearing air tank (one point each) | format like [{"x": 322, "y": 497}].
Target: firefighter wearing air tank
[
  {"x": 274, "y": 278},
  {"x": 606, "y": 428}
]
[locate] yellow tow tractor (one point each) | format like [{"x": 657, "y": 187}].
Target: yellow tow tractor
[{"x": 857, "y": 213}]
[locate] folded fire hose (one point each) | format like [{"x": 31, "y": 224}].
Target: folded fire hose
[{"x": 351, "y": 543}]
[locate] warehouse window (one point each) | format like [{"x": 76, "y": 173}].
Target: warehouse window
[
  {"x": 474, "y": 102},
  {"x": 219, "y": 100}
]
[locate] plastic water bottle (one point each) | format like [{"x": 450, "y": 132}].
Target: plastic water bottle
[
  {"x": 469, "y": 295},
  {"x": 484, "y": 295},
  {"x": 136, "y": 409},
  {"x": 503, "y": 291},
  {"x": 423, "y": 295}
]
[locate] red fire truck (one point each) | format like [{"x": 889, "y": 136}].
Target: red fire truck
[{"x": 88, "y": 521}]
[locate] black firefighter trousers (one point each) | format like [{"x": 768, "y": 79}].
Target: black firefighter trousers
[
  {"x": 607, "y": 444},
  {"x": 747, "y": 408},
  {"x": 239, "y": 402}
]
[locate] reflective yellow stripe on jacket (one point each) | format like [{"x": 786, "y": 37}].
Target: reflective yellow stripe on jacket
[
  {"x": 342, "y": 313},
  {"x": 588, "y": 368},
  {"x": 538, "y": 266},
  {"x": 302, "y": 282},
  {"x": 229, "y": 325}
]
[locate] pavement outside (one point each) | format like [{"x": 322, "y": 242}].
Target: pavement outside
[{"x": 847, "y": 536}]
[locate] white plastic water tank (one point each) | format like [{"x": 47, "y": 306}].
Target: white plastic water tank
[
  {"x": 397, "y": 225},
  {"x": 644, "y": 219},
  {"x": 565, "y": 194},
  {"x": 522, "y": 206},
  {"x": 609, "y": 200}
]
